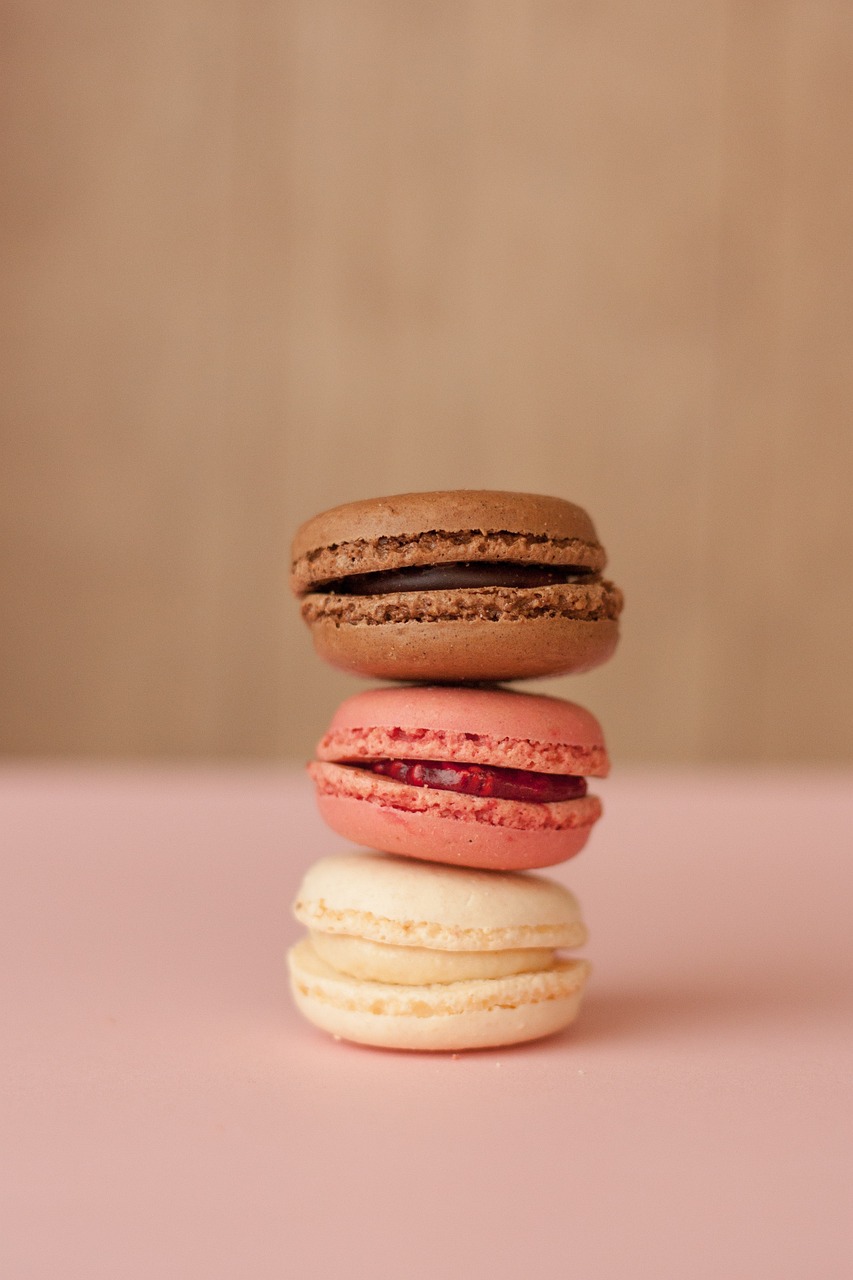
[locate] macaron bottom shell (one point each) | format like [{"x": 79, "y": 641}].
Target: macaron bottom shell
[
  {"x": 473, "y": 1014},
  {"x": 451, "y": 651},
  {"x": 432, "y": 837}
]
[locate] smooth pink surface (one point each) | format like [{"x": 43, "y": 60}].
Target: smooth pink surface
[
  {"x": 166, "y": 1113},
  {"x": 494, "y": 713},
  {"x": 454, "y": 840}
]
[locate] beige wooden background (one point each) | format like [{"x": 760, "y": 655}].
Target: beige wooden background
[{"x": 261, "y": 258}]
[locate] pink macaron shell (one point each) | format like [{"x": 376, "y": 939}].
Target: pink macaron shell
[
  {"x": 434, "y": 838},
  {"x": 445, "y": 826},
  {"x": 482, "y": 726}
]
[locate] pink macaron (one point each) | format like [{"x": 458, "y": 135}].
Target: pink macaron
[{"x": 472, "y": 777}]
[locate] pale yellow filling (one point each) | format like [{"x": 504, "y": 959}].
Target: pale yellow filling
[{"x": 421, "y": 966}]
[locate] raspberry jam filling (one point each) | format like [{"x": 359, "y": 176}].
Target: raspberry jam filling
[
  {"x": 479, "y": 779},
  {"x": 459, "y": 576}
]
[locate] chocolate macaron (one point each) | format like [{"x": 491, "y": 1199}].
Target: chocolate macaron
[{"x": 458, "y": 586}]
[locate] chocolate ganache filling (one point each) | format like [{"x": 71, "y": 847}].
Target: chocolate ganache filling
[
  {"x": 479, "y": 779},
  {"x": 459, "y": 575}
]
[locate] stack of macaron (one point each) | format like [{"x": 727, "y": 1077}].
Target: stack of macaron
[{"x": 438, "y": 935}]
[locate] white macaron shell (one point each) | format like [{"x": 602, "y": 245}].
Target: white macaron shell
[
  {"x": 409, "y": 903},
  {"x": 459, "y": 1015}
]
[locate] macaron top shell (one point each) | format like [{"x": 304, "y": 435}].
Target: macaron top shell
[
  {"x": 474, "y": 725},
  {"x": 409, "y": 903},
  {"x": 441, "y": 527}
]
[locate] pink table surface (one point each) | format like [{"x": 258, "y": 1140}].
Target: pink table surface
[{"x": 166, "y": 1114}]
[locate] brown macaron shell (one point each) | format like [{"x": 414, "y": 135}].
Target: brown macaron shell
[
  {"x": 441, "y": 528},
  {"x": 465, "y": 633},
  {"x": 473, "y": 651}
]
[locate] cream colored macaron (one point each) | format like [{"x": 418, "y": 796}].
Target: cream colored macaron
[{"x": 414, "y": 955}]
